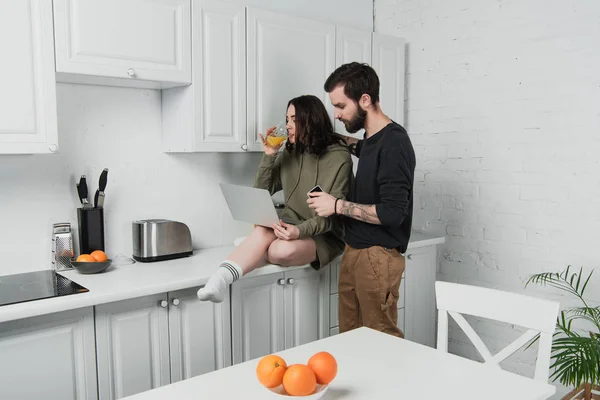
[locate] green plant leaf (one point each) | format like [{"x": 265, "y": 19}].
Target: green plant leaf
[{"x": 576, "y": 358}]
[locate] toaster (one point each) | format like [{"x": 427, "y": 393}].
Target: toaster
[{"x": 160, "y": 239}]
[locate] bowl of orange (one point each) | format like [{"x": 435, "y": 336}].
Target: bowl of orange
[
  {"x": 309, "y": 381},
  {"x": 93, "y": 263}
]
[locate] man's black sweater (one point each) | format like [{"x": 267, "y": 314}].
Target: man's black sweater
[{"x": 384, "y": 178}]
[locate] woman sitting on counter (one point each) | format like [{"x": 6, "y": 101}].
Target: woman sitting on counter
[{"x": 313, "y": 155}]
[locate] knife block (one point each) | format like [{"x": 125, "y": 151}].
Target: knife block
[{"x": 91, "y": 229}]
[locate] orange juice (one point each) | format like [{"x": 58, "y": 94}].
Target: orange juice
[{"x": 275, "y": 141}]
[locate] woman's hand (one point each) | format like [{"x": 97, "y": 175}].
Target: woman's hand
[
  {"x": 285, "y": 231},
  {"x": 269, "y": 150}
]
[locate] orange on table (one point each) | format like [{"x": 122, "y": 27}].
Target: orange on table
[
  {"x": 299, "y": 380},
  {"x": 270, "y": 370},
  {"x": 324, "y": 366},
  {"x": 99, "y": 255},
  {"x": 85, "y": 258}
]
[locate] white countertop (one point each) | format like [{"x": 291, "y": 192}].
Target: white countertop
[
  {"x": 371, "y": 365},
  {"x": 142, "y": 279}
]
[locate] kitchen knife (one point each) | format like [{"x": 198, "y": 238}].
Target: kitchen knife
[
  {"x": 83, "y": 193},
  {"x": 78, "y": 195},
  {"x": 96, "y": 198},
  {"x": 101, "y": 186}
]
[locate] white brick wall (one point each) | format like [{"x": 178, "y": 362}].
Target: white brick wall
[{"x": 503, "y": 108}]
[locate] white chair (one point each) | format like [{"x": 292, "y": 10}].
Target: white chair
[{"x": 536, "y": 314}]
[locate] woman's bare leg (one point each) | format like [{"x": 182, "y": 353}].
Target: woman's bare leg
[
  {"x": 251, "y": 252},
  {"x": 289, "y": 253},
  {"x": 245, "y": 258}
]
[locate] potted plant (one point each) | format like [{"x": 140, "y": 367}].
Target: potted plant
[{"x": 575, "y": 353}]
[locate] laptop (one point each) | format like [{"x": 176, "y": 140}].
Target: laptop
[{"x": 249, "y": 204}]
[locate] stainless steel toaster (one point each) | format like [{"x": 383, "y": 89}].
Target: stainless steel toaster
[{"x": 160, "y": 239}]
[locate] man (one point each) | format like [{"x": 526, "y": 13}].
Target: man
[{"x": 378, "y": 215}]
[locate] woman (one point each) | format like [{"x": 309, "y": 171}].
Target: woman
[{"x": 313, "y": 155}]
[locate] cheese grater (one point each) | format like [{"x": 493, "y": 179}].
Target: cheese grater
[{"x": 62, "y": 246}]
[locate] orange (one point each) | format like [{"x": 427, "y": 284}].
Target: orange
[
  {"x": 324, "y": 366},
  {"x": 86, "y": 258},
  {"x": 299, "y": 380},
  {"x": 99, "y": 255},
  {"x": 270, "y": 370}
]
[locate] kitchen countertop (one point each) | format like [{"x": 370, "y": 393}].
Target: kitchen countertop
[
  {"x": 143, "y": 279},
  {"x": 371, "y": 365}
]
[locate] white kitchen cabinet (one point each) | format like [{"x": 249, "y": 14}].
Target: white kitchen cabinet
[
  {"x": 275, "y": 312},
  {"x": 287, "y": 57},
  {"x": 199, "y": 334},
  {"x": 389, "y": 62},
  {"x": 210, "y": 115},
  {"x": 132, "y": 340},
  {"x": 49, "y": 357},
  {"x": 303, "y": 307},
  {"x": 351, "y": 45},
  {"x": 28, "y": 89},
  {"x": 420, "y": 308},
  {"x": 152, "y": 341},
  {"x": 137, "y": 43}
]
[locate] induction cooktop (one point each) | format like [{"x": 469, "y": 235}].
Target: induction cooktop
[{"x": 19, "y": 288}]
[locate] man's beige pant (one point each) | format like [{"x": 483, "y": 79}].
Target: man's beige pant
[{"x": 368, "y": 289}]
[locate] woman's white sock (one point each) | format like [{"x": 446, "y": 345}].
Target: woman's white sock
[{"x": 216, "y": 287}]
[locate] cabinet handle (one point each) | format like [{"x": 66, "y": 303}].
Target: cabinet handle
[
  {"x": 163, "y": 303},
  {"x": 291, "y": 281},
  {"x": 176, "y": 302},
  {"x": 245, "y": 147},
  {"x": 409, "y": 256},
  {"x": 131, "y": 72},
  {"x": 281, "y": 281},
  {"x": 53, "y": 148}
]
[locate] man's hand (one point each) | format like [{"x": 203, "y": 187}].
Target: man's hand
[
  {"x": 323, "y": 203},
  {"x": 285, "y": 231}
]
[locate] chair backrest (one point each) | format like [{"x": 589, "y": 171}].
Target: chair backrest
[{"x": 538, "y": 315}]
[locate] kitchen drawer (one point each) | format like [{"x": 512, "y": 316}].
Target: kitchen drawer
[
  {"x": 333, "y": 310},
  {"x": 334, "y": 270},
  {"x": 401, "y": 295},
  {"x": 334, "y": 331},
  {"x": 400, "y": 323}
]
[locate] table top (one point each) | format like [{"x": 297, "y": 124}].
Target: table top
[{"x": 371, "y": 365}]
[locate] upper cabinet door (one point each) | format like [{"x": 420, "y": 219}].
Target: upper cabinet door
[
  {"x": 210, "y": 115},
  {"x": 144, "y": 43},
  {"x": 351, "y": 45},
  {"x": 287, "y": 57},
  {"x": 28, "y": 94},
  {"x": 388, "y": 61}
]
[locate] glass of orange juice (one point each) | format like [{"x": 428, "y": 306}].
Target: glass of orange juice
[{"x": 278, "y": 136}]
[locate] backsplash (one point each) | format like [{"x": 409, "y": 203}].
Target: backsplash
[{"x": 119, "y": 129}]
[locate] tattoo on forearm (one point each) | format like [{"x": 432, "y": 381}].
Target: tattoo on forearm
[{"x": 361, "y": 212}]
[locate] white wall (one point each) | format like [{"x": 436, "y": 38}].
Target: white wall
[
  {"x": 503, "y": 102},
  {"x": 356, "y": 14},
  {"x": 119, "y": 129}
]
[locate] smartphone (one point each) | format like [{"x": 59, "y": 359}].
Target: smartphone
[{"x": 315, "y": 189}]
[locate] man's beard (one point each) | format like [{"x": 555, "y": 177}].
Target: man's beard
[{"x": 357, "y": 122}]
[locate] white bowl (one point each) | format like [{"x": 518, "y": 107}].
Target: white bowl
[{"x": 279, "y": 392}]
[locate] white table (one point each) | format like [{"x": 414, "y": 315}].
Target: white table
[{"x": 371, "y": 365}]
